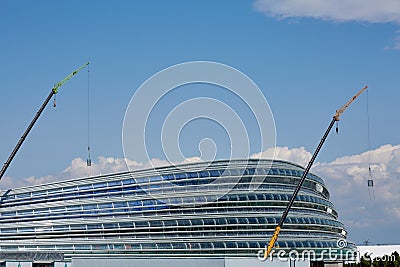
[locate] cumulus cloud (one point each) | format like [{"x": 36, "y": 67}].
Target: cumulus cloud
[
  {"x": 352, "y": 172},
  {"x": 371, "y": 11},
  {"x": 78, "y": 169},
  {"x": 296, "y": 155},
  {"x": 360, "y": 207},
  {"x": 396, "y": 41},
  {"x": 349, "y": 175}
]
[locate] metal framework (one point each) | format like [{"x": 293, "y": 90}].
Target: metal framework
[{"x": 171, "y": 211}]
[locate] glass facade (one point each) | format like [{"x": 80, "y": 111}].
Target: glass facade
[{"x": 172, "y": 211}]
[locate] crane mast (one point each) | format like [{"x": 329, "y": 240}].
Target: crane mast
[
  {"x": 335, "y": 118},
  {"x": 53, "y": 91}
]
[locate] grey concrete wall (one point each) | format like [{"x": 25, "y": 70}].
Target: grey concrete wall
[
  {"x": 15, "y": 264},
  {"x": 181, "y": 262},
  {"x": 336, "y": 264},
  {"x": 147, "y": 262},
  {"x": 254, "y": 262}
]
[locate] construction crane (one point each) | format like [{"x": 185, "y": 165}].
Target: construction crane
[
  {"x": 335, "y": 118},
  {"x": 53, "y": 92}
]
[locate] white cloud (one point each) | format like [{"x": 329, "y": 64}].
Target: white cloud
[
  {"x": 296, "y": 155},
  {"x": 372, "y": 11},
  {"x": 360, "y": 206},
  {"x": 346, "y": 179},
  {"x": 78, "y": 169},
  {"x": 396, "y": 41}
]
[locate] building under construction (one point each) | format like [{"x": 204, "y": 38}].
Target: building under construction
[
  {"x": 216, "y": 213},
  {"x": 171, "y": 212}
]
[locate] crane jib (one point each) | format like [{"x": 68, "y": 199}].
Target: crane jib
[
  {"x": 336, "y": 117},
  {"x": 54, "y": 91}
]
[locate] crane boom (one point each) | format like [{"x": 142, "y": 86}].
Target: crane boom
[
  {"x": 53, "y": 91},
  {"x": 335, "y": 118},
  {"x": 342, "y": 109},
  {"x": 60, "y": 83}
]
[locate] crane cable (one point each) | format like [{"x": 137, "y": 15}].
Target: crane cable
[
  {"x": 370, "y": 182},
  {"x": 88, "y": 160}
]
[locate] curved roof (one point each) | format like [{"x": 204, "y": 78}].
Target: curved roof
[{"x": 197, "y": 208}]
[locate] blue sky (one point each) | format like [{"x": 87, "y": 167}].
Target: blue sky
[{"x": 306, "y": 60}]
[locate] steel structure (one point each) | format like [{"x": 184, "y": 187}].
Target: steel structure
[
  {"x": 172, "y": 211},
  {"x": 289, "y": 205},
  {"x": 53, "y": 92}
]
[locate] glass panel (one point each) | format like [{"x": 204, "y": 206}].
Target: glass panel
[
  {"x": 72, "y": 208},
  {"x": 78, "y": 227},
  {"x": 105, "y": 206},
  {"x": 90, "y": 207},
  {"x": 140, "y": 224},
  {"x": 25, "y": 230},
  {"x": 209, "y": 222},
  {"x": 243, "y": 220},
  {"x": 61, "y": 227},
  {"x": 119, "y": 247},
  {"x": 180, "y": 175},
  {"x": 39, "y": 193},
  {"x": 120, "y": 205},
  {"x": 100, "y": 185},
  {"x": 26, "y": 195},
  {"x": 85, "y": 187},
  {"x": 215, "y": 173},
  {"x": 184, "y": 223},
  {"x": 231, "y": 245},
  {"x": 94, "y": 226},
  {"x": 204, "y": 174},
  {"x": 178, "y": 246},
  {"x": 197, "y": 222},
  {"x": 168, "y": 177},
  {"x": 41, "y": 211},
  {"x": 156, "y": 224},
  {"x": 193, "y": 174},
  {"x": 127, "y": 224},
  {"x": 206, "y": 245},
  {"x": 253, "y": 244},
  {"x": 114, "y": 183},
  {"x": 25, "y": 212},
  {"x": 68, "y": 189},
  {"x": 252, "y": 220},
  {"x": 64, "y": 247},
  {"x": 221, "y": 221},
  {"x": 110, "y": 226},
  {"x": 126, "y": 182},
  {"x": 165, "y": 246},
  {"x": 171, "y": 223},
  {"x": 243, "y": 198},
  {"x": 82, "y": 247},
  {"x": 219, "y": 245}
]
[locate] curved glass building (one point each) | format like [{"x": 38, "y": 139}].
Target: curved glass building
[{"x": 220, "y": 208}]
